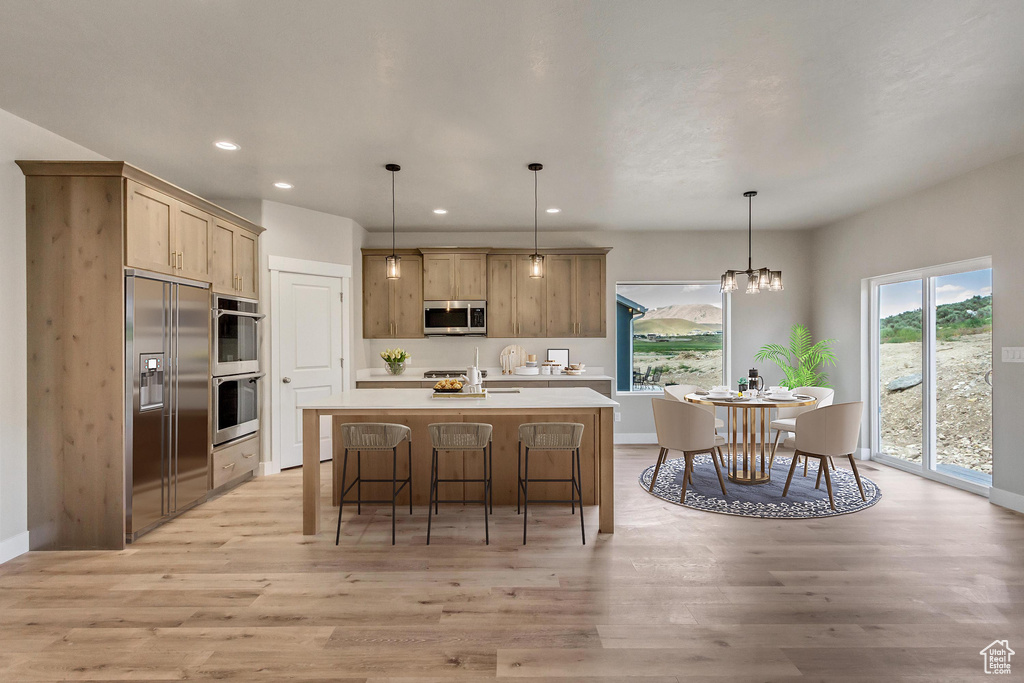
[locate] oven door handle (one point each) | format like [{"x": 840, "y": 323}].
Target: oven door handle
[
  {"x": 252, "y": 377},
  {"x": 218, "y": 312}
]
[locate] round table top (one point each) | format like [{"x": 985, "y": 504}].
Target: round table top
[{"x": 797, "y": 400}]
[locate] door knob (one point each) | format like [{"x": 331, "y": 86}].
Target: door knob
[{"x": 286, "y": 380}]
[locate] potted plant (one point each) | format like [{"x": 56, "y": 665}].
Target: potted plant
[
  {"x": 394, "y": 360},
  {"x": 802, "y": 361}
]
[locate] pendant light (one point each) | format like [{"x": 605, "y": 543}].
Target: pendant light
[
  {"x": 393, "y": 263},
  {"x": 536, "y": 261},
  {"x": 758, "y": 280}
]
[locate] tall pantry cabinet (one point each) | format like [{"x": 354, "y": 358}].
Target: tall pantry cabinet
[{"x": 86, "y": 222}]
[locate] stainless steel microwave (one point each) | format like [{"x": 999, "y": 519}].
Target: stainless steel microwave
[{"x": 454, "y": 318}]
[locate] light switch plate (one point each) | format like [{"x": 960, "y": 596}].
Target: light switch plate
[{"x": 1013, "y": 354}]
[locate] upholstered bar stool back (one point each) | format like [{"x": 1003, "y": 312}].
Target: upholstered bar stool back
[
  {"x": 374, "y": 436},
  {"x": 550, "y": 436},
  {"x": 460, "y": 436}
]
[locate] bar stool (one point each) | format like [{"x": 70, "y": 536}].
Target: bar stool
[
  {"x": 460, "y": 436},
  {"x": 374, "y": 436},
  {"x": 550, "y": 436}
]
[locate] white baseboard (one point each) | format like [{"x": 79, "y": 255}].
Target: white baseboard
[
  {"x": 1007, "y": 499},
  {"x": 268, "y": 468},
  {"x": 863, "y": 454},
  {"x": 639, "y": 438},
  {"x": 11, "y": 547}
]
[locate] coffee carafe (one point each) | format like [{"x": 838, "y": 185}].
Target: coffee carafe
[{"x": 754, "y": 381}]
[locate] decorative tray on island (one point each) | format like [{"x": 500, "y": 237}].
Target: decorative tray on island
[{"x": 439, "y": 393}]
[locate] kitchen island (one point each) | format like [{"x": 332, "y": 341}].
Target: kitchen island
[{"x": 417, "y": 408}]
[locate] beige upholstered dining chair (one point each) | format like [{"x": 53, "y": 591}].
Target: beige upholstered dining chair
[
  {"x": 678, "y": 392},
  {"x": 686, "y": 427},
  {"x": 785, "y": 421},
  {"x": 828, "y": 431}
]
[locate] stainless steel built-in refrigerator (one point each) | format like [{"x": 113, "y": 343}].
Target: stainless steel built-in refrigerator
[{"x": 167, "y": 362}]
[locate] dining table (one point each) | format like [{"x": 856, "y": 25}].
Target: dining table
[{"x": 748, "y": 417}]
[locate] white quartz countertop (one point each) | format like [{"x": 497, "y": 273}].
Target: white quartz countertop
[
  {"x": 493, "y": 375},
  {"x": 423, "y": 399}
]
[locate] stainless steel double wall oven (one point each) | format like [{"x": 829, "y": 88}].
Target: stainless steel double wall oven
[{"x": 236, "y": 368}]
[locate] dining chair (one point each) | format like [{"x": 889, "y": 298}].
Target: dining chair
[
  {"x": 785, "y": 420},
  {"x": 689, "y": 428},
  {"x": 828, "y": 431},
  {"x": 678, "y": 392}
]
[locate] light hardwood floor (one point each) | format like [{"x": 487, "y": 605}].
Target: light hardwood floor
[{"x": 909, "y": 590}]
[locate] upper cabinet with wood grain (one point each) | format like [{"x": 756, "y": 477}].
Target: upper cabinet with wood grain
[
  {"x": 392, "y": 309},
  {"x": 167, "y": 235},
  {"x": 575, "y": 295},
  {"x": 569, "y": 301},
  {"x": 234, "y": 260},
  {"x": 454, "y": 276}
]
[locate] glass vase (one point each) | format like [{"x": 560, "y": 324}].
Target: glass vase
[{"x": 395, "y": 368}]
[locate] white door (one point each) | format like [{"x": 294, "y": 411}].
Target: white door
[{"x": 310, "y": 355}]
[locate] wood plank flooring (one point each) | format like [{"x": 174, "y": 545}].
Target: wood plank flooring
[{"x": 909, "y": 590}]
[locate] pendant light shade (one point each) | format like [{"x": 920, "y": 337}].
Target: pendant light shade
[
  {"x": 393, "y": 263},
  {"x": 759, "y": 279},
  {"x": 536, "y": 260}
]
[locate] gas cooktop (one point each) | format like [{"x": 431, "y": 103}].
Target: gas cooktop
[{"x": 434, "y": 374}]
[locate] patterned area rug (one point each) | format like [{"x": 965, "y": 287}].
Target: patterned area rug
[{"x": 764, "y": 500}]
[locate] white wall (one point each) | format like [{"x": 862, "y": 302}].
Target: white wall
[
  {"x": 19, "y": 139},
  {"x": 299, "y": 233},
  {"x": 977, "y": 214},
  {"x": 638, "y": 257}
]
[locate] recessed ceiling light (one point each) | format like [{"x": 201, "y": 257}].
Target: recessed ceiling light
[
  {"x": 283, "y": 186},
  {"x": 440, "y": 211},
  {"x": 229, "y": 146},
  {"x": 554, "y": 210}
]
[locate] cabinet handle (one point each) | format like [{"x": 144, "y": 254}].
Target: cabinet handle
[
  {"x": 174, "y": 256},
  {"x": 228, "y": 466},
  {"x": 247, "y": 455},
  {"x": 181, "y": 257}
]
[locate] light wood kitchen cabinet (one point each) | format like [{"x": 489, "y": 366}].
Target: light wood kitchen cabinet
[
  {"x": 149, "y": 233},
  {"x": 192, "y": 231},
  {"x": 531, "y": 306},
  {"x": 501, "y": 295},
  {"x": 222, "y": 258},
  {"x": 231, "y": 463},
  {"x": 169, "y": 236},
  {"x": 575, "y": 295},
  {"x": 454, "y": 276},
  {"x": 591, "y": 318},
  {"x": 515, "y": 301},
  {"x": 247, "y": 263},
  {"x": 392, "y": 309},
  {"x": 234, "y": 260},
  {"x": 85, "y": 222}
]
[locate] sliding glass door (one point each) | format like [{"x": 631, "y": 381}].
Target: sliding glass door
[
  {"x": 901, "y": 370},
  {"x": 932, "y": 372}
]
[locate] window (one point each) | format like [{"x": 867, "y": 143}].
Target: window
[
  {"x": 932, "y": 372},
  {"x": 669, "y": 333}
]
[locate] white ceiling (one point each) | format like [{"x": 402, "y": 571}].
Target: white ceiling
[{"x": 647, "y": 115}]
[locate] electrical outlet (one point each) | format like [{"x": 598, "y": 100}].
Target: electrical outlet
[
  {"x": 1013, "y": 354},
  {"x": 618, "y": 417}
]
